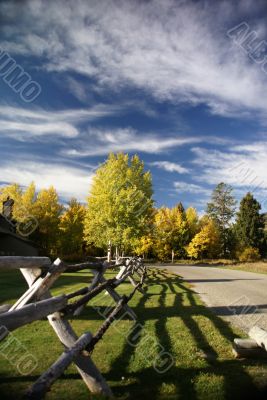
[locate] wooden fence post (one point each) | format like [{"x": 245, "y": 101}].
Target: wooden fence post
[
  {"x": 37, "y": 302},
  {"x": 87, "y": 369}
]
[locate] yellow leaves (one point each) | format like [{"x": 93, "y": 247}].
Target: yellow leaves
[
  {"x": 205, "y": 243},
  {"x": 167, "y": 220},
  {"x": 14, "y": 192},
  {"x": 249, "y": 254},
  {"x": 171, "y": 231},
  {"x": 120, "y": 202},
  {"x": 71, "y": 228},
  {"x": 47, "y": 205},
  {"x": 192, "y": 219},
  {"x": 144, "y": 245},
  {"x": 44, "y": 210}
]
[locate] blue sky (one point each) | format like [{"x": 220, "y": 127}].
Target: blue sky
[{"x": 159, "y": 78}]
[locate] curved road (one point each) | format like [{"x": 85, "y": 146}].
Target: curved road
[{"x": 239, "y": 297}]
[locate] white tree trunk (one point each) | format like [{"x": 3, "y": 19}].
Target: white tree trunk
[{"x": 172, "y": 256}]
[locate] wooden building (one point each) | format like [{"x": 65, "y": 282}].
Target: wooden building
[{"x": 11, "y": 244}]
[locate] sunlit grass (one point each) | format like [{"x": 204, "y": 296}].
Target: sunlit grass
[
  {"x": 173, "y": 320},
  {"x": 257, "y": 266}
]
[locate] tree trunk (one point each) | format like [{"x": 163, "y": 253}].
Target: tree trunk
[
  {"x": 109, "y": 251},
  {"x": 172, "y": 256}
]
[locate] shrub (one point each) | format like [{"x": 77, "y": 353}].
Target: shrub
[{"x": 249, "y": 254}]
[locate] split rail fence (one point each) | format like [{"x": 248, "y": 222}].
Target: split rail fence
[{"x": 37, "y": 303}]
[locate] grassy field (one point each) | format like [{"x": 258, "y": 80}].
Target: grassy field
[
  {"x": 172, "y": 316},
  {"x": 258, "y": 266}
]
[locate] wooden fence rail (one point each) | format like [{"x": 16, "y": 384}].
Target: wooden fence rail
[{"x": 37, "y": 303}]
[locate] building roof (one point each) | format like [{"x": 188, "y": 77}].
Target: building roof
[{"x": 8, "y": 229}]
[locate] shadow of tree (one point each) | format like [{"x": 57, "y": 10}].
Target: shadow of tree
[
  {"x": 148, "y": 382},
  {"x": 13, "y": 284}
]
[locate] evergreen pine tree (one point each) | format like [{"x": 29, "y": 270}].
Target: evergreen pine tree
[
  {"x": 249, "y": 225},
  {"x": 222, "y": 209}
]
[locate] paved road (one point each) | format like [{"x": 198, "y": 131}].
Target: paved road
[{"x": 239, "y": 297}]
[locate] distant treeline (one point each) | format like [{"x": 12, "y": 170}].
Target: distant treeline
[{"x": 120, "y": 210}]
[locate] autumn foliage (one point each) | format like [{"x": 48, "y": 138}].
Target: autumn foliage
[{"x": 120, "y": 209}]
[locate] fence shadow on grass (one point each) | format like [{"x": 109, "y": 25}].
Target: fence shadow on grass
[
  {"x": 175, "y": 302},
  {"x": 13, "y": 285},
  {"x": 147, "y": 382}
]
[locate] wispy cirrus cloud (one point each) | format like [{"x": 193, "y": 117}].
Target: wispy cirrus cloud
[
  {"x": 98, "y": 141},
  {"x": 243, "y": 166},
  {"x": 69, "y": 181},
  {"x": 153, "y": 57},
  {"x": 26, "y": 125},
  {"x": 174, "y": 50},
  {"x": 192, "y": 188},
  {"x": 170, "y": 167}
]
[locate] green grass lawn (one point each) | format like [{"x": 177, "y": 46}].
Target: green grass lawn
[{"x": 172, "y": 317}]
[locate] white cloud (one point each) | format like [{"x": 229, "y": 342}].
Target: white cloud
[
  {"x": 77, "y": 89},
  {"x": 174, "y": 50},
  {"x": 243, "y": 166},
  {"x": 22, "y": 130},
  {"x": 24, "y": 124},
  {"x": 70, "y": 115},
  {"x": 185, "y": 187},
  {"x": 69, "y": 182},
  {"x": 170, "y": 167},
  {"x": 103, "y": 141}
]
